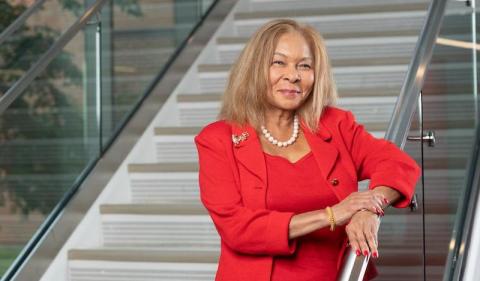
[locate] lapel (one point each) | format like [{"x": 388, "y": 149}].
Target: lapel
[
  {"x": 249, "y": 152},
  {"x": 324, "y": 151}
]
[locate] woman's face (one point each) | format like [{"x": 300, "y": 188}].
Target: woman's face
[{"x": 291, "y": 73}]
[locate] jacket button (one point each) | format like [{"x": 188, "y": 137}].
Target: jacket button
[{"x": 335, "y": 182}]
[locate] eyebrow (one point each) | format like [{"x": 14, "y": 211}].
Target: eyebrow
[{"x": 283, "y": 55}]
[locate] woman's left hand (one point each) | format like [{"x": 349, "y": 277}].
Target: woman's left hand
[{"x": 362, "y": 232}]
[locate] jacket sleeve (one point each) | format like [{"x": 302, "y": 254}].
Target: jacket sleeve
[
  {"x": 380, "y": 160},
  {"x": 260, "y": 232}
]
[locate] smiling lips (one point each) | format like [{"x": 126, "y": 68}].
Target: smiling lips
[{"x": 289, "y": 92}]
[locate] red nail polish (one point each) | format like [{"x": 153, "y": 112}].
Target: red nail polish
[
  {"x": 375, "y": 254},
  {"x": 365, "y": 253},
  {"x": 358, "y": 252},
  {"x": 385, "y": 200}
]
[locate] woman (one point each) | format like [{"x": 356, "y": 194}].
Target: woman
[{"x": 279, "y": 171}]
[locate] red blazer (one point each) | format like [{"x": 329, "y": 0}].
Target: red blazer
[{"x": 233, "y": 183}]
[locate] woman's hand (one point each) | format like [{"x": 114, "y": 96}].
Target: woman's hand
[
  {"x": 355, "y": 202},
  {"x": 362, "y": 232}
]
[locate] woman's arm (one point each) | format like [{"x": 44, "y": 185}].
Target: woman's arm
[
  {"x": 392, "y": 173},
  {"x": 305, "y": 223},
  {"x": 380, "y": 161}
]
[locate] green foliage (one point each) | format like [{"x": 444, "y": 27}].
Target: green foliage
[
  {"x": 129, "y": 7},
  {"x": 43, "y": 112},
  {"x": 9, "y": 13}
]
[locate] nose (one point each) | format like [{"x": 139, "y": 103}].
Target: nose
[{"x": 292, "y": 74}]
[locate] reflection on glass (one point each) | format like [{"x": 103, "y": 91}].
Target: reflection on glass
[
  {"x": 142, "y": 41},
  {"x": 50, "y": 134},
  {"x": 400, "y": 235},
  {"x": 25, "y": 46},
  {"x": 448, "y": 102},
  {"x": 46, "y": 141}
]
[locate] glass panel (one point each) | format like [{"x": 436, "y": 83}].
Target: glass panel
[
  {"x": 25, "y": 46},
  {"x": 400, "y": 235},
  {"x": 139, "y": 39},
  {"x": 449, "y": 110},
  {"x": 48, "y": 136}
]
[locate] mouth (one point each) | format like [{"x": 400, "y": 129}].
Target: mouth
[{"x": 289, "y": 91}]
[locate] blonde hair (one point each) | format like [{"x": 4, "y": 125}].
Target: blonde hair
[{"x": 245, "y": 97}]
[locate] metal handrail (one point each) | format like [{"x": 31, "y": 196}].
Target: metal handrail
[
  {"x": 20, "y": 85},
  {"x": 354, "y": 266},
  {"x": 18, "y": 22}
]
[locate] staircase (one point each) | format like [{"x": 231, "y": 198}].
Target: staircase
[{"x": 148, "y": 223}]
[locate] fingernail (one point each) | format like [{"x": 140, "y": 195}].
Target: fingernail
[
  {"x": 365, "y": 253},
  {"x": 385, "y": 200},
  {"x": 383, "y": 213},
  {"x": 375, "y": 254},
  {"x": 358, "y": 252}
]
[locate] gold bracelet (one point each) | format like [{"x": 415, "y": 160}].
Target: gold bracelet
[{"x": 331, "y": 218}]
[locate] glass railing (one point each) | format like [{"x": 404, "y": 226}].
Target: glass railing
[
  {"x": 140, "y": 44},
  {"x": 81, "y": 93},
  {"x": 450, "y": 110},
  {"x": 445, "y": 114},
  {"x": 465, "y": 191}
]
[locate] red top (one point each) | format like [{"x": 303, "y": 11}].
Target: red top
[{"x": 297, "y": 187}]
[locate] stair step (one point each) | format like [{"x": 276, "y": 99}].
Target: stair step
[
  {"x": 163, "y": 167},
  {"x": 83, "y": 270},
  {"x": 236, "y": 40},
  {"x": 153, "y": 209},
  {"x": 167, "y": 131},
  {"x": 260, "y": 5},
  {"x": 121, "y": 255},
  {"x": 175, "y": 144},
  {"x": 375, "y": 18},
  {"x": 169, "y": 227},
  {"x": 365, "y": 9},
  {"x": 165, "y": 188}
]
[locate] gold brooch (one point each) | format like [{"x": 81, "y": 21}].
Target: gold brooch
[{"x": 237, "y": 139}]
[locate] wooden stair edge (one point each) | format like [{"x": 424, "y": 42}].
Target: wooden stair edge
[{"x": 120, "y": 255}]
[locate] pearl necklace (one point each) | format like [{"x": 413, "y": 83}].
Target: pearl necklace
[{"x": 278, "y": 143}]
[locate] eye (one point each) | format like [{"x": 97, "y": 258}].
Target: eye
[
  {"x": 279, "y": 62},
  {"x": 305, "y": 66}
]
